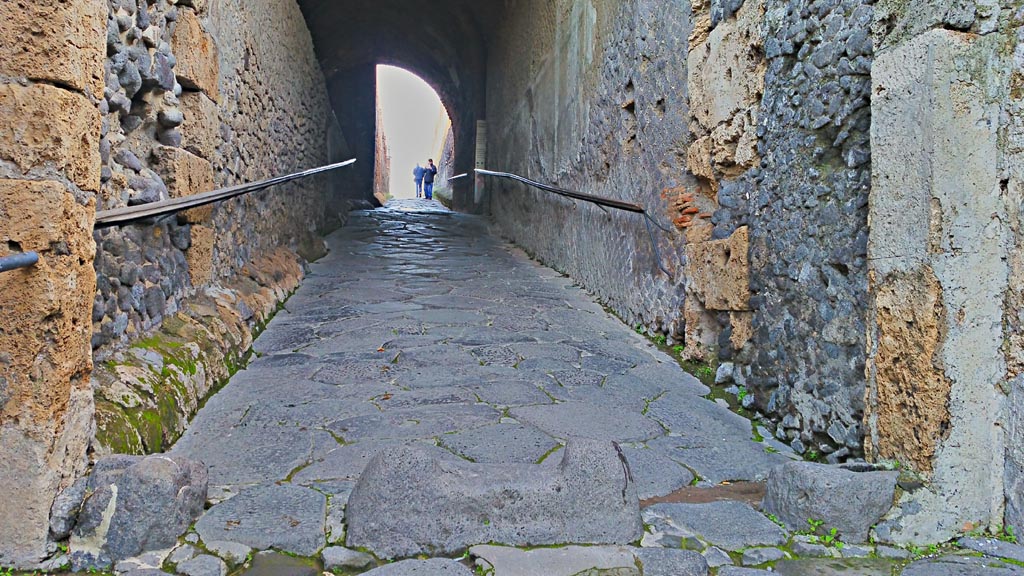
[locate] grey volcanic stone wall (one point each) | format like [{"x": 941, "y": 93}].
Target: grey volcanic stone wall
[
  {"x": 808, "y": 224},
  {"x": 199, "y": 96},
  {"x": 592, "y": 96}
]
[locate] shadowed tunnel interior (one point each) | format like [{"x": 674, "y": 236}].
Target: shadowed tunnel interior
[{"x": 445, "y": 43}]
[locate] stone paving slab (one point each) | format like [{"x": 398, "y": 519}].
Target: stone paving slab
[
  {"x": 962, "y": 566},
  {"x": 837, "y": 567},
  {"x": 286, "y": 518},
  {"x": 589, "y": 421},
  {"x": 732, "y": 526},
  {"x": 432, "y": 567},
  {"x": 501, "y": 444},
  {"x": 567, "y": 561}
]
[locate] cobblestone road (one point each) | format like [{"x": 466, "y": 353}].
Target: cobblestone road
[{"x": 420, "y": 327}]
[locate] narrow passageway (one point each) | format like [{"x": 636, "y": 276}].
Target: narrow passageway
[{"x": 421, "y": 327}]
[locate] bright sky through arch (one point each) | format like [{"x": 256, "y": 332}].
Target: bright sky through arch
[{"x": 415, "y": 123}]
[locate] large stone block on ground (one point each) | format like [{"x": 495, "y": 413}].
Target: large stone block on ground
[
  {"x": 850, "y": 502},
  {"x": 135, "y": 504},
  {"x": 447, "y": 505},
  {"x": 185, "y": 174},
  {"x": 58, "y": 42},
  {"x": 200, "y": 132},
  {"x": 196, "y": 51},
  {"x": 51, "y": 132}
]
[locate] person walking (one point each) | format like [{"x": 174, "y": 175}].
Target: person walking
[
  {"x": 428, "y": 179},
  {"x": 417, "y": 177}
]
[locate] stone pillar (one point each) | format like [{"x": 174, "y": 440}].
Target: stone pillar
[
  {"x": 51, "y": 59},
  {"x": 938, "y": 272},
  {"x": 480, "y": 161}
]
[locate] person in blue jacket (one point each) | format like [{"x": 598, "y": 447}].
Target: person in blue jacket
[
  {"x": 428, "y": 179},
  {"x": 417, "y": 177}
]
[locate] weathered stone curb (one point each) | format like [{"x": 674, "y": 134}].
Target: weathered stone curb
[{"x": 146, "y": 394}]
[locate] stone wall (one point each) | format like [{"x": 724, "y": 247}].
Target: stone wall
[
  {"x": 808, "y": 224},
  {"x": 592, "y": 96},
  {"x": 944, "y": 317},
  {"x": 49, "y": 179},
  {"x": 382, "y": 161},
  {"x": 200, "y": 96}
]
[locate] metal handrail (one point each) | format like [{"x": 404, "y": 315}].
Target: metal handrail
[
  {"x": 457, "y": 177},
  {"x": 15, "y": 261},
  {"x": 600, "y": 201},
  {"x": 121, "y": 216}
]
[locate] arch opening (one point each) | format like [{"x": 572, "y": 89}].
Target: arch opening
[{"x": 414, "y": 126}]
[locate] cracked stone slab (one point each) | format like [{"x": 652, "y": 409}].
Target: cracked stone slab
[
  {"x": 346, "y": 463},
  {"x": 501, "y": 444},
  {"x": 448, "y": 504},
  {"x": 962, "y": 566},
  {"x": 566, "y": 561},
  {"x": 669, "y": 562},
  {"x": 843, "y": 567},
  {"x": 432, "y": 567},
  {"x": 283, "y": 517},
  {"x": 993, "y": 547},
  {"x": 655, "y": 473},
  {"x": 250, "y": 454},
  {"x": 730, "y": 525},
  {"x": 410, "y": 423},
  {"x": 717, "y": 461},
  {"x": 579, "y": 419}
]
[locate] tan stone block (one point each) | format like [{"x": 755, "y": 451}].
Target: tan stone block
[
  {"x": 196, "y": 52},
  {"x": 742, "y": 328},
  {"x": 185, "y": 174},
  {"x": 698, "y": 159},
  {"x": 200, "y": 255},
  {"x": 47, "y": 308},
  {"x": 43, "y": 128},
  {"x": 59, "y": 42},
  {"x": 701, "y": 334},
  {"x": 910, "y": 403},
  {"x": 200, "y": 133},
  {"x": 718, "y": 272}
]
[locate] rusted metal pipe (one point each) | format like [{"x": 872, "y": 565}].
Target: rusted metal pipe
[
  {"x": 121, "y": 216},
  {"x": 15, "y": 261},
  {"x": 600, "y": 201}
]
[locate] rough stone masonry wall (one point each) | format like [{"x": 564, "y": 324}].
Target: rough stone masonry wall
[
  {"x": 591, "y": 95},
  {"x": 51, "y": 61},
  {"x": 200, "y": 95},
  {"x": 808, "y": 224},
  {"x": 944, "y": 356}
]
